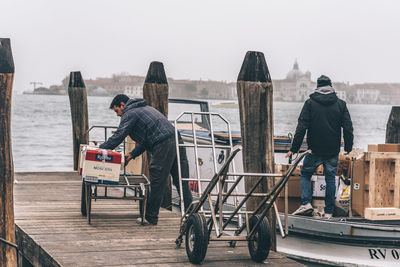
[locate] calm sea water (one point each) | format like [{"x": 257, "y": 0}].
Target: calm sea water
[{"x": 42, "y": 128}]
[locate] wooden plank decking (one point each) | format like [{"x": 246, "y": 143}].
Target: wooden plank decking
[{"x": 51, "y": 231}]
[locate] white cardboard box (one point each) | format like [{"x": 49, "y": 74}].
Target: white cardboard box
[
  {"x": 101, "y": 165},
  {"x": 319, "y": 185}
]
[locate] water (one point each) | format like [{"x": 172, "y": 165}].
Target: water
[{"x": 42, "y": 128}]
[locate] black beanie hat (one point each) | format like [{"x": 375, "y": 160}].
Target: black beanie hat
[{"x": 323, "y": 81}]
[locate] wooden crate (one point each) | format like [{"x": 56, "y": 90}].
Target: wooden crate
[
  {"x": 384, "y": 186},
  {"x": 382, "y": 213},
  {"x": 384, "y": 148},
  {"x": 360, "y": 186}
]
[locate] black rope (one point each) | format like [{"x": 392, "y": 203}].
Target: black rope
[{"x": 9, "y": 243}]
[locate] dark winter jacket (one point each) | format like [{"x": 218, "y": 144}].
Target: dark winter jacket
[
  {"x": 323, "y": 116},
  {"x": 144, "y": 124}
]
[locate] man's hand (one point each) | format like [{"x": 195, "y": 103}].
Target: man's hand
[
  {"x": 290, "y": 153},
  {"x": 127, "y": 159}
]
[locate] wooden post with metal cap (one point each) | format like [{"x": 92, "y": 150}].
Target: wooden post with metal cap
[
  {"x": 393, "y": 126},
  {"x": 254, "y": 89},
  {"x": 79, "y": 113},
  {"x": 8, "y": 253},
  {"x": 155, "y": 92}
]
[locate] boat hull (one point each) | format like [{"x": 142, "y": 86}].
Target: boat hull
[
  {"x": 337, "y": 254},
  {"x": 341, "y": 241}
]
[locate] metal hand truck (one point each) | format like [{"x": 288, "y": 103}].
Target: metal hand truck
[{"x": 211, "y": 212}]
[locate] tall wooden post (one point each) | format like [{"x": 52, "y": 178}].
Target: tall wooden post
[
  {"x": 155, "y": 92},
  {"x": 254, "y": 89},
  {"x": 79, "y": 113},
  {"x": 393, "y": 126},
  {"x": 8, "y": 254}
]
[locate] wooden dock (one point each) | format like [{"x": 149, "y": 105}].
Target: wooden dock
[{"x": 51, "y": 231}]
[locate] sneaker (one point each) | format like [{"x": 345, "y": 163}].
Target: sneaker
[
  {"x": 317, "y": 214},
  {"x": 145, "y": 222},
  {"x": 306, "y": 209},
  {"x": 327, "y": 216}
]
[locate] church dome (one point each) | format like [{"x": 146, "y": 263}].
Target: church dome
[{"x": 295, "y": 73}]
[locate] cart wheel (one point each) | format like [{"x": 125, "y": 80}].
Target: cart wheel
[
  {"x": 196, "y": 238},
  {"x": 260, "y": 246},
  {"x": 83, "y": 200}
]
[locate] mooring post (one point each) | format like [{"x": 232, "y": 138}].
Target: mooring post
[
  {"x": 155, "y": 92},
  {"x": 79, "y": 113},
  {"x": 393, "y": 126},
  {"x": 8, "y": 253},
  {"x": 254, "y": 89}
]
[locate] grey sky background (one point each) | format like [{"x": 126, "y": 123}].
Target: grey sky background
[{"x": 350, "y": 41}]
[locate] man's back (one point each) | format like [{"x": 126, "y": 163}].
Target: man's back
[
  {"x": 147, "y": 125},
  {"x": 327, "y": 113},
  {"x": 144, "y": 124},
  {"x": 323, "y": 116}
]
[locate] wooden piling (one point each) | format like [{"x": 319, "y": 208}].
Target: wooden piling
[
  {"x": 79, "y": 113},
  {"x": 8, "y": 254},
  {"x": 393, "y": 126},
  {"x": 254, "y": 89},
  {"x": 155, "y": 92}
]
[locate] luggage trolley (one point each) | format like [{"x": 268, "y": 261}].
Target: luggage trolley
[
  {"x": 138, "y": 183},
  {"x": 211, "y": 212}
]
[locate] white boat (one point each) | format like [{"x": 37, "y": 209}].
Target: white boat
[{"x": 339, "y": 241}]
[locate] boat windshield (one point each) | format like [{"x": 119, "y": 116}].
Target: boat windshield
[{"x": 177, "y": 106}]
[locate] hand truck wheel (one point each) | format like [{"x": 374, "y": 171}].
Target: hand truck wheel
[
  {"x": 259, "y": 247},
  {"x": 196, "y": 240},
  {"x": 83, "y": 200}
]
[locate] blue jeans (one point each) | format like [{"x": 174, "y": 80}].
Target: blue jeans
[{"x": 310, "y": 163}]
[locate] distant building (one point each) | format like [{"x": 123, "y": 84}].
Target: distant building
[
  {"x": 133, "y": 91},
  {"x": 97, "y": 91},
  {"x": 341, "y": 94},
  {"x": 367, "y": 96},
  {"x": 296, "y": 87},
  {"x": 202, "y": 89},
  {"x": 375, "y": 93}
]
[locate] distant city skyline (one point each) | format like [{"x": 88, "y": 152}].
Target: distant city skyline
[
  {"x": 295, "y": 87},
  {"x": 350, "y": 41}
]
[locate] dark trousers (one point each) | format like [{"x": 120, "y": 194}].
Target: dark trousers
[{"x": 162, "y": 162}]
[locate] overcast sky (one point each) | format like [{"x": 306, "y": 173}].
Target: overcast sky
[{"x": 350, "y": 41}]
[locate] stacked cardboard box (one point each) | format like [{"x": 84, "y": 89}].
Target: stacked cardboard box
[{"x": 100, "y": 165}]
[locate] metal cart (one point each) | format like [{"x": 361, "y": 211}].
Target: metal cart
[
  {"x": 137, "y": 183},
  {"x": 211, "y": 213}
]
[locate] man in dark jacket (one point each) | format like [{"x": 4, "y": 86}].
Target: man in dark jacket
[
  {"x": 323, "y": 117},
  {"x": 154, "y": 133}
]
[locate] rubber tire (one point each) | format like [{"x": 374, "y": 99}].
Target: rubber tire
[
  {"x": 259, "y": 249},
  {"x": 83, "y": 200},
  {"x": 197, "y": 229}
]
